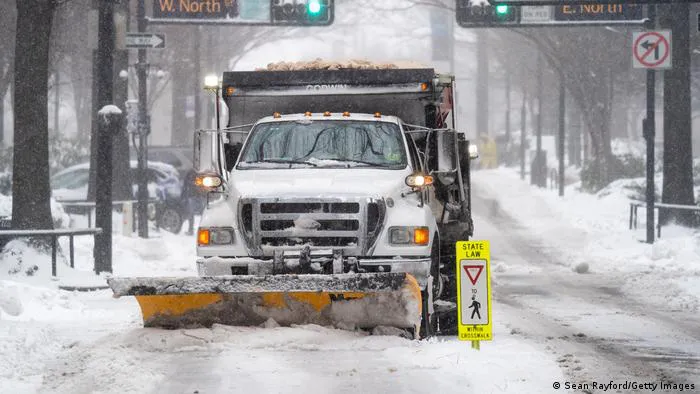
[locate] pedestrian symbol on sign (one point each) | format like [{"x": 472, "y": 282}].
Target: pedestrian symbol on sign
[{"x": 476, "y": 305}]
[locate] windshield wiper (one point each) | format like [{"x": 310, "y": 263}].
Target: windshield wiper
[
  {"x": 282, "y": 161},
  {"x": 369, "y": 163}
]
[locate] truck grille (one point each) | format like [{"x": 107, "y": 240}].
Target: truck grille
[{"x": 291, "y": 224}]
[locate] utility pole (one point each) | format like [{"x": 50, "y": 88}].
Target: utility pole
[
  {"x": 102, "y": 82},
  {"x": 105, "y": 54},
  {"x": 539, "y": 165},
  {"x": 523, "y": 125},
  {"x": 197, "y": 91},
  {"x": 562, "y": 130},
  {"x": 109, "y": 125},
  {"x": 482, "y": 84},
  {"x": 507, "y": 145},
  {"x": 143, "y": 127}
]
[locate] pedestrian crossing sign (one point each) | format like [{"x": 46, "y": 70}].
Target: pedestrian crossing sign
[{"x": 474, "y": 291}]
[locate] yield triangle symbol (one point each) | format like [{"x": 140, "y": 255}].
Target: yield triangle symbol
[{"x": 473, "y": 272}]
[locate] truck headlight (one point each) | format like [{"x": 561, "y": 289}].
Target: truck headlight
[
  {"x": 208, "y": 181},
  {"x": 214, "y": 236},
  {"x": 473, "y": 151},
  {"x": 419, "y": 180},
  {"x": 404, "y": 235}
]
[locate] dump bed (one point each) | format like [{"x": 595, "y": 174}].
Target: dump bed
[{"x": 251, "y": 95}]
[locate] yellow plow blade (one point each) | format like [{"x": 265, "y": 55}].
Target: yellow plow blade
[{"x": 365, "y": 300}]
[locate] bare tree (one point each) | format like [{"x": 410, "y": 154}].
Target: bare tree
[
  {"x": 678, "y": 155},
  {"x": 8, "y": 16},
  {"x": 30, "y": 177}
]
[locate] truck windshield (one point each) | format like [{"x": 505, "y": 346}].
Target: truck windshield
[{"x": 326, "y": 143}]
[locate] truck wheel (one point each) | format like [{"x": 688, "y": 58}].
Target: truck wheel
[
  {"x": 430, "y": 294},
  {"x": 428, "y": 321}
]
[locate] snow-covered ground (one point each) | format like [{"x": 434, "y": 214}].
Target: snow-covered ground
[{"x": 73, "y": 342}]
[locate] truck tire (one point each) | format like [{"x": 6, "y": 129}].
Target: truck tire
[{"x": 430, "y": 294}]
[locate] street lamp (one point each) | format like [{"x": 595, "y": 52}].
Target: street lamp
[{"x": 211, "y": 84}]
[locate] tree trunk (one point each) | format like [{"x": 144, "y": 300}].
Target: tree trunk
[
  {"x": 31, "y": 193},
  {"x": 678, "y": 155}
]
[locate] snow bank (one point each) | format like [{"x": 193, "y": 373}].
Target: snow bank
[
  {"x": 594, "y": 230},
  {"x": 60, "y": 218}
]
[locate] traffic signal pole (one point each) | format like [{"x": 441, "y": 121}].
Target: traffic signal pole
[
  {"x": 649, "y": 132},
  {"x": 143, "y": 128}
]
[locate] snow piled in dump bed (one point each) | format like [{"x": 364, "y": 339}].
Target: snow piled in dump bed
[{"x": 353, "y": 64}]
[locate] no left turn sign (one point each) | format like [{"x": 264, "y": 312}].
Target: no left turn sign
[{"x": 651, "y": 49}]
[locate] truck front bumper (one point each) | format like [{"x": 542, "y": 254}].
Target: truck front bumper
[{"x": 418, "y": 267}]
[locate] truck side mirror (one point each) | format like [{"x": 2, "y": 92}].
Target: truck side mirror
[
  {"x": 231, "y": 152},
  {"x": 446, "y": 157}
]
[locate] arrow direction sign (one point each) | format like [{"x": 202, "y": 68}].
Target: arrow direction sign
[
  {"x": 651, "y": 49},
  {"x": 145, "y": 40}
]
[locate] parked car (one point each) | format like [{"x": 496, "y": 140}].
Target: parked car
[
  {"x": 71, "y": 184},
  {"x": 177, "y": 156}
]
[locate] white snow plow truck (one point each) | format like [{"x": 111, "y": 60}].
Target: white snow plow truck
[{"x": 335, "y": 197}]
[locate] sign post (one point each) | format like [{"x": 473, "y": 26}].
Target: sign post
[
  {"x": 474, "y": 292},
  {"x": 649, "y": 124},
  {"x": 142, "y": 149}
]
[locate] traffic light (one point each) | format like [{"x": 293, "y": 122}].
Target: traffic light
[
  {"x": 302, "y": 12},
  {"x": 484, "y": 14},
  {"x": 502, "y": 11}
]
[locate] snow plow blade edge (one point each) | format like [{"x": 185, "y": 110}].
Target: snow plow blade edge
[{"x": 365, "y": 300}]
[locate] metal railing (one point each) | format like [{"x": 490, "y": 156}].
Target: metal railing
[{"x": 635, "y": 205}]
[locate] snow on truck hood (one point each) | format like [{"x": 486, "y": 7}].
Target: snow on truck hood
[{"x": 317, "y": 182}]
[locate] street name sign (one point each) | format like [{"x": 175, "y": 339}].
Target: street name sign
[
  {"x": 579, "y": 2},
  {"x": 474, "y": 291},
  {"x": 536, "y": 14},
  {"x": 145, "y": 40},
  {"x": 242, "y": 12},
  {"x": 563, "y": 14}
]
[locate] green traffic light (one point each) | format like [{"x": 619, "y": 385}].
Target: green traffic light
[
  {"x": 502, "y": 9},
  {"x": 313, "y": 6}
]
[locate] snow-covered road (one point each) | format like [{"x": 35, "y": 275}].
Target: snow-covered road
[
  {"x": 630, "y": 315},
  {"x": 596, "y": 330}
]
